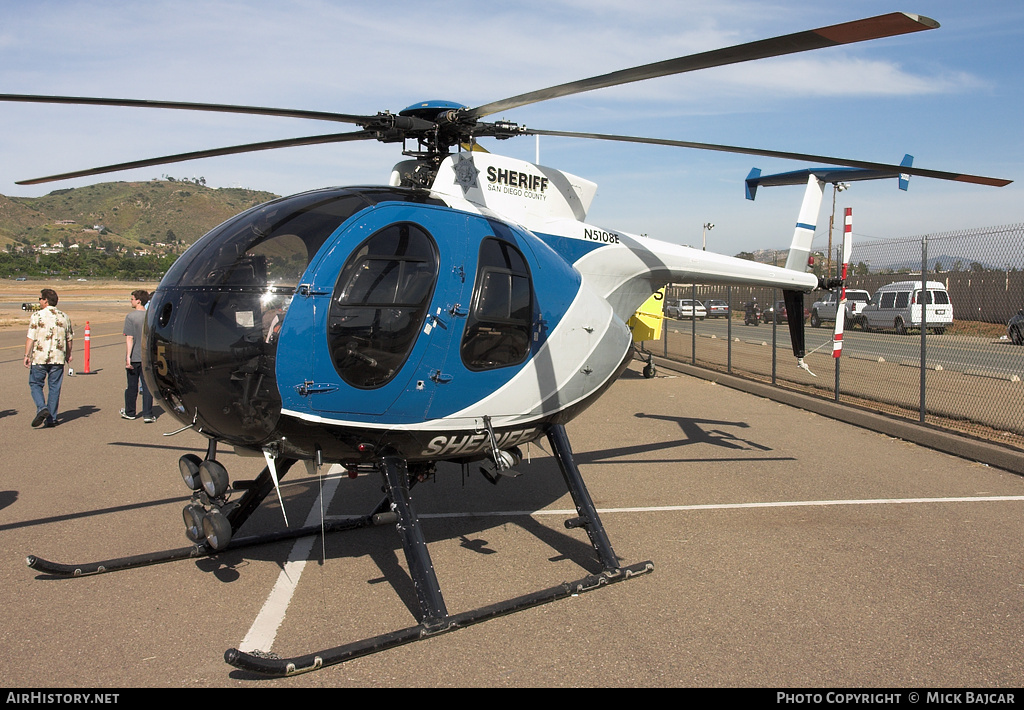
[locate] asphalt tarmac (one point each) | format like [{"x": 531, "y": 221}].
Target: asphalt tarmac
[{"x": 790, "y": 550}]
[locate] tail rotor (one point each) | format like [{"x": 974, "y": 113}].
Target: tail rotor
[{"x": 837, "y": 336}]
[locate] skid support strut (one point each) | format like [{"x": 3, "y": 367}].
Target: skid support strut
[
  {"x": 421, "y": 568},
  {"x": 434, "y": 616},
  {"x": 588, "y": 518}
]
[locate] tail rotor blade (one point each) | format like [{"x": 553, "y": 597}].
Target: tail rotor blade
[
  {"x": 837, "y": 337},
  {"x": 847, "y": 238}
]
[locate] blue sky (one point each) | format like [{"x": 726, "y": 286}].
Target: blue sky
[{"x": 951, "y": 97}]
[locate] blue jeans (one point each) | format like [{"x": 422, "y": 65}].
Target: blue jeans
[
  {"x": 131, "y": 392},
  {"x": 53, "y": 375}
]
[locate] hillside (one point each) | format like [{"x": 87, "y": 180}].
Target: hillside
[{"x": 128, "y": 216}]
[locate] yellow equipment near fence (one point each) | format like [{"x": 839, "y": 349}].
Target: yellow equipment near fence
[{"x": 647, "y": 321}]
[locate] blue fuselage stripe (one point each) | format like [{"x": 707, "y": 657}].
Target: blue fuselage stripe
[{"x": 572, "y": 250}]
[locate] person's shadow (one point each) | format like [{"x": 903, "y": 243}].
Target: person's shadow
[
  {"x": 8, "y": 498},
  {"x": 71, "y": 415}
]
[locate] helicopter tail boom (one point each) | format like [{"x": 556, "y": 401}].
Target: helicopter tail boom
[{"x": 628, "y": 269}]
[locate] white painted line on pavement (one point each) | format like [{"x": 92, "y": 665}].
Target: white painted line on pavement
[
  {"x": 264, "y": 629},
  {"x": 728, "y": 506}
]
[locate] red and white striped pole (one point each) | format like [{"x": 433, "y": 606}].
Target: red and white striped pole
[{"x": 86, "y": 355}]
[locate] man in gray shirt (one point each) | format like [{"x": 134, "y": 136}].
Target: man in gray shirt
[{"x": 134, "y": 323}]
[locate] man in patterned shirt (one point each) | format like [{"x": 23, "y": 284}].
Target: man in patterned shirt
[{"x": 47, "y": 350}]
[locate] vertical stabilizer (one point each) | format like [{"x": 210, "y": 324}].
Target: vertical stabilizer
[
  {"x": 752, "y": 183},
  {"x": 908, "y": 161},
  {"x": 803, "y": 235}
]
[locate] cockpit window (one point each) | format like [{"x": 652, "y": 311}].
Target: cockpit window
[
  {"x": 285, "y": 256},
  {"x": 268, "y": 246},
  {"x": 498, "y": 330},
  {"x": 380, "y": 303}
]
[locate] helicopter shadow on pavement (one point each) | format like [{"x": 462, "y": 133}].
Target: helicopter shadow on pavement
[
  {"x": 539, "y": 486},
  {"x": 711, "y": 432},
  {"x": 10, "y": 497},
  {"x": 462, "y": 494}
]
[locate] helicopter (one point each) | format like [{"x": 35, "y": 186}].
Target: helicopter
[{"x": 458, "y": 313}]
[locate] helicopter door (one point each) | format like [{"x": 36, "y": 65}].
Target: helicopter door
[
  {"x": 492, "y": 336},
  {"x": 377, "y": 299}
]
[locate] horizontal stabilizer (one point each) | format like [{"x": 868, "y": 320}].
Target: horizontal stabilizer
[{"x": 826, "y": 174}]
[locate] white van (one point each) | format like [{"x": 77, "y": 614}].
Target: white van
[{"x": 897, "y": 306}]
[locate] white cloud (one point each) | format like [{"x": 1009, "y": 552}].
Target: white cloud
[{"x": 358, "y": 58}]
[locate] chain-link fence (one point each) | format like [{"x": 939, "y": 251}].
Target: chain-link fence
[{"x": 962, "y": 370}]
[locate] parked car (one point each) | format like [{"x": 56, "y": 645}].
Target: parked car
[
  {"x": 778, "y": 313},
  {"x": 685, "y": 308},
  {"x": 717, "y": 309},
  {"x": 1015, "y": 328},
  {"x": 826, "y": 308},
  {"x": 31, "y": 306},
  {"x": 897, "y": 306},
  {"x": 21, "y": 278}
]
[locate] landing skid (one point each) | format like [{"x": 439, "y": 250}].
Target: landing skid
[
  {"x": 265, "y": 664},
  {"x": 256, "y": 491},
  {"x": 434, "y": 616},
  {"x": 184, "y": 553},
  {"x": 397, "y": 507}
]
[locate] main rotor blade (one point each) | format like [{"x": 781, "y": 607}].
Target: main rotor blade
[
  {"x": 890, "y": 25},
  {"x": 186, "y": 106},
  {"x": 937, "y": 174},
  {"x": 181, "y": 157}
]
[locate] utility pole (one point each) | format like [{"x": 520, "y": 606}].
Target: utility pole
[
  {"x": 836, "y": 187},
  {"x": 704, "y": 238}
]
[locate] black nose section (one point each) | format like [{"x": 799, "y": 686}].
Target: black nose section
[{"x": 212, "y": 360}]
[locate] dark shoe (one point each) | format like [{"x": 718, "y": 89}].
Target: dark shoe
[{"x": 41, "y": 416}]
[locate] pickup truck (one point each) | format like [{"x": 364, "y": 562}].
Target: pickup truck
[{"x": 825, "y": 309}]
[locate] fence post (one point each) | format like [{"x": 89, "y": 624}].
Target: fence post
[
  {"x": 835, "y": 360},
  {"x": 728, "y": 330},
  {"x": 664, "y": 330},
  {"x": 924, "y": 321},
  {"x": 775, "y": 318},
  {"x": 693, "y": 324}
]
